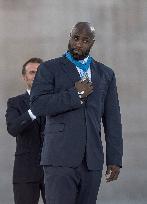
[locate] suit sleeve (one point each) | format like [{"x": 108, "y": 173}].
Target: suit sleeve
[
  {"x": 42, "y": 126},
  {"x": 112, "y": 126},
  {"x": 44, "y": 99},
  {"x": 16, "y": 121}
]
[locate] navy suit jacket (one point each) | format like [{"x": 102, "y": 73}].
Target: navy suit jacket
[
  {"x": 74, "y": 129},
  {"x": 29, "y": 139}
]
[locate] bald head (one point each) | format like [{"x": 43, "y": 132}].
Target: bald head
[
  {"x": 81, "y": 40},
  {"x": 84, "y": 27}
]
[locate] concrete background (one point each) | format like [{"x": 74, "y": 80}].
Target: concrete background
[{"x": 40, "y": 28}]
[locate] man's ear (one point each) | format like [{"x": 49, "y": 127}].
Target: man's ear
[
  {"x": 23, "y": 77},
  {"x": 92, "y": 43}
]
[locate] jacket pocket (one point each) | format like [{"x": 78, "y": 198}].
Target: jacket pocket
[{"x": 55, "y": 127}]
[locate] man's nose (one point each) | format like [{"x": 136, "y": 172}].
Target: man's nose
[{"x": 78, "y": 44}]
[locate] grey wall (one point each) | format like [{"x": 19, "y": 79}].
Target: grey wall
[{"x": 40, "y": 28}]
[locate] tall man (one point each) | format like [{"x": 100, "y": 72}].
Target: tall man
[
  {"x": 76, "y": 93},
  {"x": 28, "y": 130}
]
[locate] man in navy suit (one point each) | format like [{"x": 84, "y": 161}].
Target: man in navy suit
[
  {"x": 28, "y": 176},
  {"x": 75, "y": 93}
]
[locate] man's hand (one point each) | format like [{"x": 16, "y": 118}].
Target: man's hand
[
  {"x": 84, "y": 87},
  {"x": 112, "y": 173}
]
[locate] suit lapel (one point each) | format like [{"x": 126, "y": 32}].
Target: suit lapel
[
  {"x": 95, "y": 76},
  {"x": 70, "y": 70},
  {"x": 73, "y": 75}
]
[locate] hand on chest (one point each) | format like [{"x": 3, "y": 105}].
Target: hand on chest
[{"x": 66, "y": 77}]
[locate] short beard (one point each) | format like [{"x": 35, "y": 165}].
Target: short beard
[{"x": 75, "y": 55}]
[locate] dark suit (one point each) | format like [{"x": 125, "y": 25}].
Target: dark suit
[
  {"x": 73, "y": 130},
  {"x": 27, "y": 173}
]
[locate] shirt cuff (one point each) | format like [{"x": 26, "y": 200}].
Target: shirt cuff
[
  {"x": 32, "y": 116},
  {"x": 79, "y": 94}
]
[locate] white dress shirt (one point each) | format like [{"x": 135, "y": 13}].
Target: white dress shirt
[{"x": 32, "y": 116}]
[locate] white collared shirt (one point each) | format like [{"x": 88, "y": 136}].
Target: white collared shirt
[
  {"x": 29, "y": 91},
  {"x": 81, "y": 72}
]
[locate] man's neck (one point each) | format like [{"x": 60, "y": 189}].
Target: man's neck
[{"x": 84, "y": 60}]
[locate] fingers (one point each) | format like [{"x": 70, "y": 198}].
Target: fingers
[
  {"x": 112, "y": 176},
  {"x": 84, "y": 86},
  {"x": 87, "y": 93},
  {"x": 85, "y": 81},
  {"x": 88, "y": 90},
  {"x": 108, "y": 170},
  {"x": 112, "y": 173}
]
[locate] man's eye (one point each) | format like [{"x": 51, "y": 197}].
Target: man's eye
[
  {"x": 32, "y": 72},
  {"x": 85, "y": 41},
  {"x": 75, "y": 38}
]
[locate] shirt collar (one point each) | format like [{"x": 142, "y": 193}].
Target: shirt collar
[
  {"x": 84, "y": 60},
  {"x": 28, "y": 90}
]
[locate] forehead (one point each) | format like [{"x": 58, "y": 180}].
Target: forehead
[
  {"x": 82, "y": 31},
  {"x": 32, "y": 66}
]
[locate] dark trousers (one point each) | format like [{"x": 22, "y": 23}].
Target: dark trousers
[
  {"x": 28, "y": 193},
  {"x": 71, "y": 185}
]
